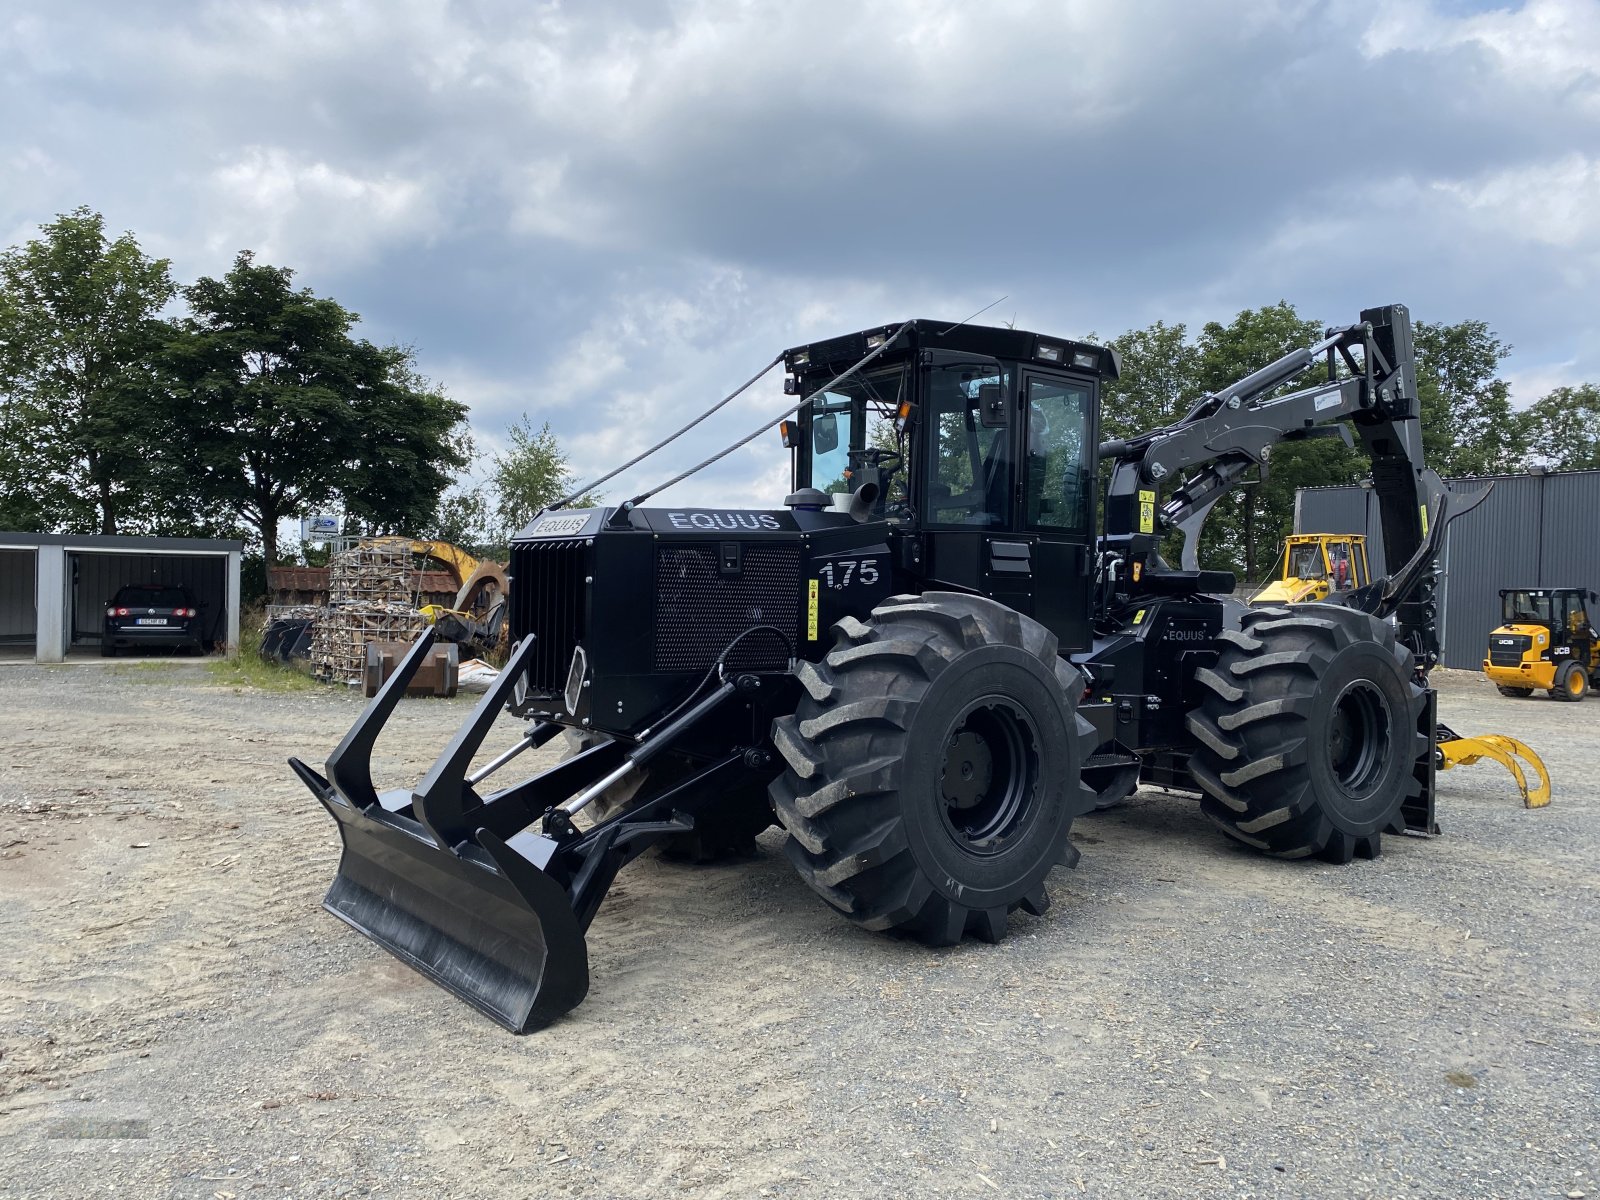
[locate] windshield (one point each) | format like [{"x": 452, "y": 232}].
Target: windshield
[
  {"x": 849, "y": 418},
  {"x": 1305, "y": 562},
  {"x": 1526, "y": 608}
]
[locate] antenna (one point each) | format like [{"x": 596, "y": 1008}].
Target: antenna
[{"x": 979, "y": 313}]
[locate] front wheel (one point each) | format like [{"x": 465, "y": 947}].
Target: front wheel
[
  {"x": 1572, "y": 683},
  {"x": 1307, "y": 733},
  {"x": 934, "y": 767}
]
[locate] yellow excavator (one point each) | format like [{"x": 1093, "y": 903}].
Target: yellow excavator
[
  {"x": 479, "y": 608},
  {"x": 1313, "y": 565}
]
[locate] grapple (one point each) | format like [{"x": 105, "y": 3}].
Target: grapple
[{"x": 489, "y": 895}]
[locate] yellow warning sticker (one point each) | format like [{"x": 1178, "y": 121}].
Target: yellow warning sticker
[
  {"x": 1424, "y": 511},
  {"x": 1147, "y": 511},
  {"x": 1138, "y": 616},
  {"x": 811, "y": 611}
]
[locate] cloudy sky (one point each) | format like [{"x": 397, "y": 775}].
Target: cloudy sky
[{"x": 607, "y": 214}]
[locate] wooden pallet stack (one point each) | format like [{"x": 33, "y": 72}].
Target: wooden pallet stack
[{"x": 369, "y": 600}]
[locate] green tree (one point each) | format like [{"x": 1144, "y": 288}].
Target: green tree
[
  {"x": 79, "y": 331},
  {"x": 1562, "y": 430},
  {"x": 1247, "y": 526},
  {"x": 1160, "y": 378},
  {"x": 1468, "y": 427},
  {"x": 279, "y": 409},
  {"x": 529, "y": 476}
]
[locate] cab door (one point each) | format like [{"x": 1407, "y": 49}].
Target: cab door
[{"x": 1058, "y": 499}]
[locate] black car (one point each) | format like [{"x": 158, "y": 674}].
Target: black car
[{"x": 153, "y": 614}]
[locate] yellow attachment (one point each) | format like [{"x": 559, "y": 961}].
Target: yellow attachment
[{"x": 1466, "y": 751}]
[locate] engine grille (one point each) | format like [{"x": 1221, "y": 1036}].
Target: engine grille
[
  {"x": 548, "y": 597},
  {"x": 699, "y": 611},
  {"x": 1506, "y": 650}
]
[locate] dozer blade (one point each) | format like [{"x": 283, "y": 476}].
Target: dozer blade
[
  {"x": 451, "y": 884},
  {"x": 1504, "y": 750}
]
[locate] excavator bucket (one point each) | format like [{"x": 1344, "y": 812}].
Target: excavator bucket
[
  {"x": 450, "y": 883},
  {"x": 1459, "y": 751}
]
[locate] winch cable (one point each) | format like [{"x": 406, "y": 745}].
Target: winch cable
[
  {"x": 671, "y": 437},
  {"x": 789, "y": 412}
]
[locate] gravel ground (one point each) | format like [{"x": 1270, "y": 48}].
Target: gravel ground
[{"x": 179, "y": 1018}]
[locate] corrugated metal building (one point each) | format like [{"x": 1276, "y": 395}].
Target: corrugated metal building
[
  {"x": 1535, "y": 530},
  {"x": 54, "y": 588}
]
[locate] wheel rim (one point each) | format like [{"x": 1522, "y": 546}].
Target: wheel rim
[
  {"x": 1575, "y": 683},
  {"x": 989, "y": 776},
  {"x": 1359, "y": 737}
]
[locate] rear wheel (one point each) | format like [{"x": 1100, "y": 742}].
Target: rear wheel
[
  {"x": 1572, "y": 683},
  {"x": 1308, "y": 734},
  {"x": 1520, "y": 693},
  {"x": 934, "y": 767}
]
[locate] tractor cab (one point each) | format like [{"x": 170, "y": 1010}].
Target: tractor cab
[
  {"x": 1546, "y": 641},
  {"x": 976, "y": 445},
  {"x": 1315, "y": 565}
]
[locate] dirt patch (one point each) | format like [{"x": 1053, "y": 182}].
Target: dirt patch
[{"x": 178, "y": 1017}]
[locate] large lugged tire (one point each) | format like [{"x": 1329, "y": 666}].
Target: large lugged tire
[
  {"x": 934, "y": 767},
  {"x": 1308, "y": 733}
]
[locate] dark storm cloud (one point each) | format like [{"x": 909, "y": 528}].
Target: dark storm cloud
[{"x": 605, "y": 214}]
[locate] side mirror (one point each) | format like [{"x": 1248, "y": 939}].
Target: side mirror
[
  {"x": 824, "y": 433},
  {"x": 991, "y": 406}
]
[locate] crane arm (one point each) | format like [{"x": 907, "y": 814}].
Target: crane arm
[{"x": 1229, "y": 432}]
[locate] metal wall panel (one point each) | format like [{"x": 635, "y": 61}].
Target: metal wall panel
[
  {"x": 1532, "y": 531},
  {"x": 95, "y": 578},
  {"x": 18, "y": 579}
]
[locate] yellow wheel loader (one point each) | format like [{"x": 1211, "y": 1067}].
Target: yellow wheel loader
[
  {"x": 1314, "y": 564},
  {"x": 1546, "y": 642}
]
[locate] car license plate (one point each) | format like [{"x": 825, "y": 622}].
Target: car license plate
[{"x": 151, "y": 621}]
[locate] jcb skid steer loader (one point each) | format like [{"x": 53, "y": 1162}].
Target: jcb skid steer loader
[{"x": 924, "y": 665}]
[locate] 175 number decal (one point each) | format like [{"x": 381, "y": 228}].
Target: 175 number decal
[{"x": 838, "y": 575}]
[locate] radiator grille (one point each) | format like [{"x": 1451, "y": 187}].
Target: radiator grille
[
  {"x": 548, "y": 597},
  {"x": 699, "y": 611},
  {"x": 1506, "y": 650}
]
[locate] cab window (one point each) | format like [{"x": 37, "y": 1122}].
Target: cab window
[
  {"x": 832, "y": 423},
  {"x": 1057, "y": 441},
  {"x": 970, "y": 473}
]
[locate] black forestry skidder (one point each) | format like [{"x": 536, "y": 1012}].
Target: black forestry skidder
[{"x": 924, "y": 666}]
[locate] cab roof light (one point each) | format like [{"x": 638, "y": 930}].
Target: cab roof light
[
  {"x": 1088, "y": 360},
  {"x": 1046, "y": 352}
]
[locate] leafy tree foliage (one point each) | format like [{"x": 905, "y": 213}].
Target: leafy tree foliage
[
  {"x": 1468, "y": 427},
  {"x": 1160, "y": 378},
  {"x": 79, "y": 327},
  {"x": 529, "y": 476},
  {"x": 279, "y": 409},
  {"x": 1562, "y": 430}
]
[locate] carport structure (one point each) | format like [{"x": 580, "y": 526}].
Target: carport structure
[{"x": 54, "y": 588}]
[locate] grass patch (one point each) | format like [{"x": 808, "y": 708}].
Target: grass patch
[{"x": 252, "y": 671}]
